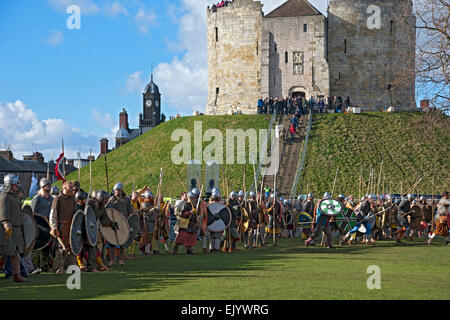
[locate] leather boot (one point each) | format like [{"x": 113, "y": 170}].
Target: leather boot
[{"x": 15, "y": 264}]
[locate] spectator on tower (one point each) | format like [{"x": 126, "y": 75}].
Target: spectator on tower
[{"x": 292, "y": 132}]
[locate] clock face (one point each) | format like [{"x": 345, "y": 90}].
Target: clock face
[
  {"x": 157, "y": 103},
  {"x": 148, "y": 103}
]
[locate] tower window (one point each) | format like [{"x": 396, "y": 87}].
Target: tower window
[
  {"x": 217, "y": 34},
  {"x": 286, "y": 57},
  {"x": 217, "y": 90},
  {"x": 345, "y": 46},
  {"x": 339, "y": 76},
  {"x": 257, "y": 47},
  {"x": 305, "y": 28},
  {"x": 275, "y": 47},
  {"x": 392, "y": 25},
  {"x": 298, "y": 63}
]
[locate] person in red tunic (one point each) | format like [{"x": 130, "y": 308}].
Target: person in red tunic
[{"x": 186, "y": 224}]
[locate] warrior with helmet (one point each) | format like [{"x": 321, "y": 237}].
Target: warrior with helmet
[
  {"x": 298, "y": 207},
  {"x": 364, "y": 215},
  {"x": 11, "y": 221},
  {"x": 231, "y": 233},
  {"x": 41, "y": 205},
  {"x": 403, "y": 210},
  {"x": 442, "y": 223},
  {"x": 185, "y": 226},
  {"x": 321, "y": 223},
  {"x": 215, "y": 237},
  {"x": 308, "y": 207},
  {"x": 121, "y": 203},
  {"x": 255, "y": 222},
  {"x": 148, "y": 213},
  {"x": 275, "y": 212}
]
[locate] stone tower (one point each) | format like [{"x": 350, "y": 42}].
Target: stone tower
[
  {"x": 151, "y": 107},
  {"x": 371, "y": 52},
  {"x": 234, "y": 57}
]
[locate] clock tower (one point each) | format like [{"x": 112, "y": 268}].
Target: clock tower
[{"x": 151, "y": 113}]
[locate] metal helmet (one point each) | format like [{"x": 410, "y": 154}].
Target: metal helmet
[
  {"x": 410, "y": 196},
  {"x": 44, "y": 182},
  {"x": 55, "y": 191},
  {"x": 11, "y": 180},
  {"x": 118, "y": 186},
  {"x": 147, "y": 194},
  {"x": 214, "y": 189},
  {"x": 422, "y": 198},
  {"x": 341, "y": 196},
  {"x": 145, "y": 205},
  {"x": 281, "y": 199},
  {"x": 80, "y": 195},
  {"x": 326, "y": 195},
  {"x": 190, "y": 194},
  {"x": 285, "y": 202},
  {"x": 101, "y": 195},
  {"x": 382, "y": 197},
  {"x": 215, "y": 193},
  {"x": 241, "y": 194},
  {"x": 233, "y": 195},
  {"x": 252, "y": 194},
  {"x": 310, "y": 195},
  {"x": 195, "y": 191},
  {"x": 388, "y": 197}
]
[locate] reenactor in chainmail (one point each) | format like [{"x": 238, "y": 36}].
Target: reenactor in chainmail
[
  {"x": 403, "y": 210},
  {"x": 61, "y": 215},
  {"x": 443, "y": 211},
  {"x": 121, "y": 203},
  {"x": 149, "y": 215},
  {"x": 215, "y": 237},
  {"x": 11, "y": 222},
  {"x": 231, "y": 233},
  {"x": 308, "y": 207},
  {"x": 41, "y": 205},
  {"x": 252, "y": 233},
  {"x": 321, "y": 224},
  {"x": 298, "y": 207},
  {"x": 274, "y": 210},
  {"x": 186, "y": 224}
]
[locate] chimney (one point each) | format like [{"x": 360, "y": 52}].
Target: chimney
[
  {"x": 7, "y": 155},
  {"x": 37, "y": 156},
  {"x": 123, "y": 119},
  {"x": 103, "y": 146}
]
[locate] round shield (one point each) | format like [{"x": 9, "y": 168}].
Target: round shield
[
  {"x": 288, "y": 218},
  {"x": 330, "y": 207},
  {"x": 44, "y": 237},
  {"x": 133, "y": 222},
  {"x": 90, "y": 222},
  {"x": 77, "y": 232},
  {"x": 304, "y": 220},
  {"x": 119, "y": 236},
  {"x": 219, "y": 217},
  {"x": 30, "y": 231},
  {"x": 245, "y": 220}
]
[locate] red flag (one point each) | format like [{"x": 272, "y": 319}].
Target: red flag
[{"x": 59, "y": 168}]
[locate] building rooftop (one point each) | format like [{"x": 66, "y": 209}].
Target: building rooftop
[{"x": 294, "y": 8}]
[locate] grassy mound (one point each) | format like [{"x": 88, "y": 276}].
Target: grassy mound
[
  {"x": 408, "y": 143},
  {"x": 140, "y": 160}
]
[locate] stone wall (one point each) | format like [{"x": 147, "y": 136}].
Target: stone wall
[
  {"x": 234, "y": 60},
  {"x": 364, "y": 63},
  {"x": 283, "y": 35}
]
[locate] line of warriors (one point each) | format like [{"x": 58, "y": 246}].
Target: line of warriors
[{"x": 255, "y": 220}]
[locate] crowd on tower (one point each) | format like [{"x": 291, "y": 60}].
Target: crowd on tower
[
  {"x": 301, "y": 105},
  {"x": 220, "y": 4}
]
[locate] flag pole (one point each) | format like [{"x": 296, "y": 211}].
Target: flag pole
[{"x": 64, "y": 161}]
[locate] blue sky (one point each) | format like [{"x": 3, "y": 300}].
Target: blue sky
[{"x": 59, "y": 83}]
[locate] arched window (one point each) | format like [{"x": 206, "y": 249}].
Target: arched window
[{"x": 286, "y": 57}]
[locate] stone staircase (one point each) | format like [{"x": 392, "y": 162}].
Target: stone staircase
[{"x": 289, "y": 156}]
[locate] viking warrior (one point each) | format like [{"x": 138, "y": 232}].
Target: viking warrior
[
  {"x": 321, "y": 223},
  {"x": 215, "y": 237},
  {"x": 162, "y": 226},
  {"x": 253, "y": 230},
  {"x": 274, "y": 211},
  {"x": 364, "y": 218},
  {"x": 289, "y": 218},
  {"x": 98, "y": 205},
  {"x": 186, "y": 224},
  {"x": 442, "y": 223},
  {"x": 148, "y": 213},
  {"x": 87, "y": 250},
  {"x": 61, "y": 214},
  {"x": 298, "y": 207},
  {"x": 41, "y": 205},
  {"x": 121, "y": 203},
  {"x": 308, "y": 207},
  {"x": 427, "y": 212},
  {"x": 350, "y": 203},
  {"x": 231, "y": 233},
  {"x": 333, "y": 224},
  {"x": 135, "y": 204},
  {"x": 203, "y": 233},
  {"x": 11, "y": 221},
  {"x": 403, "y": 210}
]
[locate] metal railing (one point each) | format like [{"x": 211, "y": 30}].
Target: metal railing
[{"x": 301, "y": 160}]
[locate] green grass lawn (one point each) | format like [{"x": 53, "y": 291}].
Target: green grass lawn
[{"x": 412, "y": 270}]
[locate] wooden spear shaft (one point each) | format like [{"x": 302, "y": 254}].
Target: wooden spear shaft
[{"x": 379, "y": 178}]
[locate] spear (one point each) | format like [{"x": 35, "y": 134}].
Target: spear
[
  {"x": 334, "y": 183},
  {"x": 79, "y": 167},
  {"x": 274, "y": 207},
  {"x": 432, "y": 205},
  {"x": 48, "y": 170},
  {"x": 64, "y": 161},
  {"x": 379, "y": 178}
]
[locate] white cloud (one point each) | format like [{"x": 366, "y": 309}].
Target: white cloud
[
  {"x": 145, "y": 19},
  {"x": 86, "y": 6},
  {"x": 54, "y": 38},
  {"x": 103, "y": 119},
  {"x": 21, "y": 128},
  {"x": 115, "y": 9},
  {"x": 134, "y": 82}
]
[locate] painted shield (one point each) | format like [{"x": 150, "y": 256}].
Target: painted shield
[
  {"x": 212, "y": 176},
  {"x": 194, "y": 174},
  {"x": 346, "y": 220},
  {"x": 77, "y": 232},
  {"x": 30, "y": 231},
  {"x": 288, "y": 218},
  {"x": 133, "y": 222},
  {"x": 90, "y": 222},
  {"x": 362, "y": 228},
  {"x": 304, "y": 220},
  {"x": 330, "y": 207},
  {"x": 44, "y": 237},
  {"x": 219, "y": 217},
  {"x": 120, "y": 236}
]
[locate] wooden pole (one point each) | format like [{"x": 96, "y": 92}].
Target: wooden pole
[
  {"x": 379, "y": 178},
  {"x": 432, "y": 207},
  {"x": 106, "y": 173},
  {"x": 334, "y": 183},
  {"x": 274, "y": 207},
  {"x": 64, "y": 161},
  {"x": 79, "y": 167}
]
